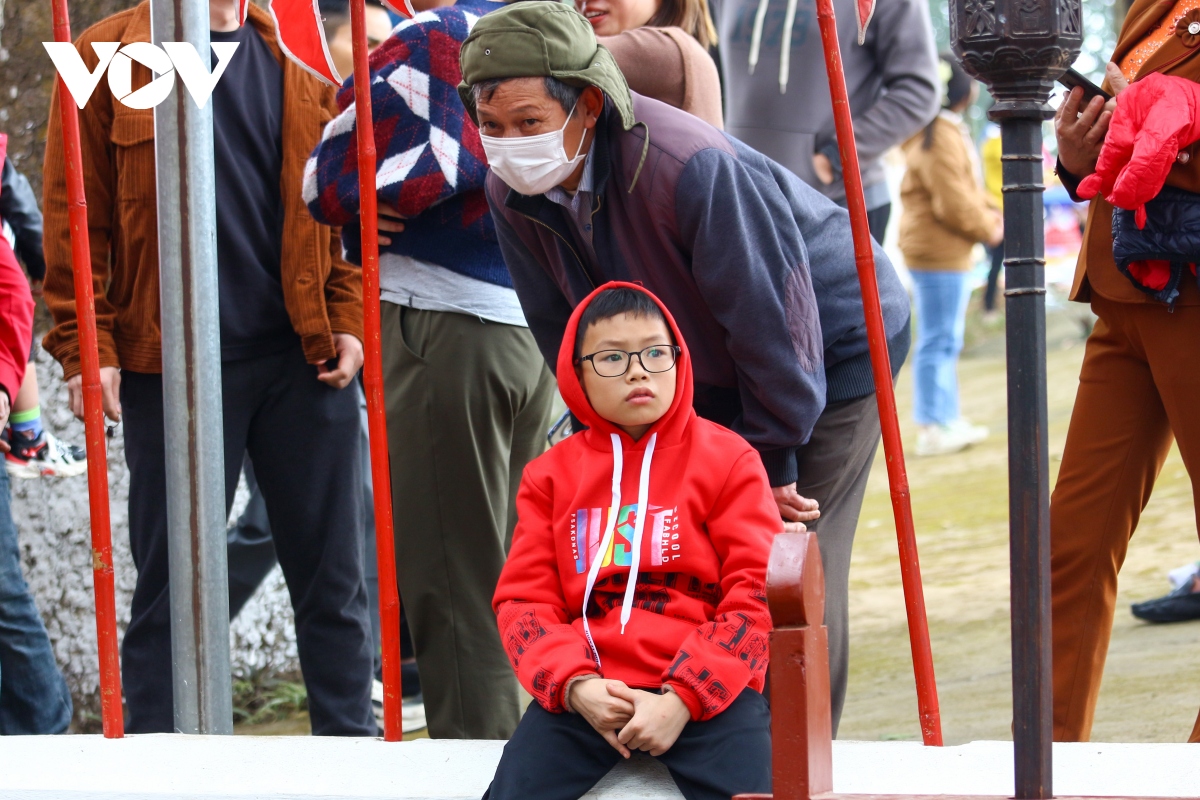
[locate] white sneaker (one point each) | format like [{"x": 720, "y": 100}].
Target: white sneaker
[
  {"x": 412, "y": 709},
  {"x": 937, "y": 440},
  {"x": 973, "y": 433},
  {"x": 45, "y": 458}
]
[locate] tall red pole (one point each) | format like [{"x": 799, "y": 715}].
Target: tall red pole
[
  {"x": 381, "y": 477},
  {"x": 893, "y": 450},
  {"x": 93, "y": 417}
]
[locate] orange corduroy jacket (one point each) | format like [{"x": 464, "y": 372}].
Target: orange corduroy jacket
[{"x": 322, "y": 292}]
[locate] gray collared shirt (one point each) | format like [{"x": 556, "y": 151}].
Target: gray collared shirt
[{"x": 578, "y": 205}]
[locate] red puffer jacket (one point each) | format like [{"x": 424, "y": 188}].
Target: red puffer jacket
[
  {"x": 696, "y": 618},
  {"x": 1156, "y": 117}
]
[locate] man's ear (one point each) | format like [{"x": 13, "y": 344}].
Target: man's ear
[{"x": 592, "y": 101}]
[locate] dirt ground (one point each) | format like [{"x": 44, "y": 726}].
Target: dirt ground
[{"x": 1151, "y": 688}]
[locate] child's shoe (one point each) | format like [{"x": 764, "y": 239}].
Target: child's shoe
[{"x": 44, "y": 456}]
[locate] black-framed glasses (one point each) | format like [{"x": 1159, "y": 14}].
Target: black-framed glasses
[{"x": 615, "y": 363}]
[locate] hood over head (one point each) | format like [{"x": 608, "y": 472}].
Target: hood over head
[
  {"x": 668, "y": 429},
  {"x": 603, "y": 434}
]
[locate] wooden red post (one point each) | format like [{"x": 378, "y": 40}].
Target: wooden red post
[
  {"x": 893, "y": 450},
  {"x": 93, "y": 418},
  {"x": 801, "y": 722},
  {"x": 381, "y": 476}
]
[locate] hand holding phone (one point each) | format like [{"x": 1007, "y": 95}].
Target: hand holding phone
[{"x": 1072, "y": 78}]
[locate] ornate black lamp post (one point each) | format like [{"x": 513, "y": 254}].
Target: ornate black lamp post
[{"x": 1018, "y": 48}]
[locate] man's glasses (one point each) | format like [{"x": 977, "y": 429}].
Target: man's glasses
[{"x": 615, "y": 363}]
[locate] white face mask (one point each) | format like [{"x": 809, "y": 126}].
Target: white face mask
[{"x": 532, "y": 165}]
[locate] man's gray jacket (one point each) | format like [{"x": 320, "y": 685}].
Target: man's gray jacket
[
  {"x": 892, "y": 80},
  {"x": 757, "y": 269}
]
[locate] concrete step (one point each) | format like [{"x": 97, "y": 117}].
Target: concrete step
[{"x": 156, "y": 767}]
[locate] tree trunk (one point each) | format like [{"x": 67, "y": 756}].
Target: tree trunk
[{"x": 27, "y": 75}]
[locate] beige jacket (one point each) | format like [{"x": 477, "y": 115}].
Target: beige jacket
[{"x": 946, "y": 208}]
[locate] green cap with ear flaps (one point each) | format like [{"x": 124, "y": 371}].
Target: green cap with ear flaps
[{"x": 541, "y": 39}]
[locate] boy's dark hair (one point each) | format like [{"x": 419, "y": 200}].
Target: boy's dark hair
[{"x": 612, "y": 302}]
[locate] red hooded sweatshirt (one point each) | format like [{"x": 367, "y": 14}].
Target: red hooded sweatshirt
[
  {"x": 16, "y": 313},
  {"x": 696, "y": 619}
]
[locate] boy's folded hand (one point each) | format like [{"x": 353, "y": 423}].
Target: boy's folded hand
[
  {"x": 597, "y": 701},
  {"x": 658, "y": 719}
]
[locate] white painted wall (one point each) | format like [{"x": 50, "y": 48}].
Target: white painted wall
[{"x": 260, "y": 768}]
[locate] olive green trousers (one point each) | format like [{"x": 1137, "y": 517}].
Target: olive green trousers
[{"x": 468, "y": 406}]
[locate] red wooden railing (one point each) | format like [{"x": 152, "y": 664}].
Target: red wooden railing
[{"x": 801, "y": 744}]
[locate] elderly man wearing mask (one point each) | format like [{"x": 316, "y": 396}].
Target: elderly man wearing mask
[{"x": 591, "y": 183}]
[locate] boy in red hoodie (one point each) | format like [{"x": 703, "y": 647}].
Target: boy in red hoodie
[{"x": 671, "y": 663}]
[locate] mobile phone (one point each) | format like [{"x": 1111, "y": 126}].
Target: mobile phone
[{"x": 1071, "y": 78}]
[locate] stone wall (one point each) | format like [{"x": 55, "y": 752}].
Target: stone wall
[{"x": 55, "y": 535}]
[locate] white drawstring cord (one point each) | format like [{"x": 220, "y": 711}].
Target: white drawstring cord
[
  {"x": 785, "y": 47},
  {"x": 605, "y": 541},
  {"x": 639, "y": 525},
  {"x": 756, "y": 34}
]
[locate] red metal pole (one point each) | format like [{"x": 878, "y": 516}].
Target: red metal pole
[
  {"x": 381, "y": 477},
  {"x": 89, "y": 357},
  {"x": 910, "y": 566}
]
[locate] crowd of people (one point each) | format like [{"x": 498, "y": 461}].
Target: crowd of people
[{"x": 608, "y": 203}]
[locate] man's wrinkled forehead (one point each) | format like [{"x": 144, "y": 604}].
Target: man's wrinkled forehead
[{"x": 515, "y": 96}]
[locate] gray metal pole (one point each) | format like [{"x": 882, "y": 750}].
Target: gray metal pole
[{"x": 191, "y": 345}]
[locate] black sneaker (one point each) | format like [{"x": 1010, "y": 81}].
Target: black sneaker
[{"x": 1180, "y": 605}]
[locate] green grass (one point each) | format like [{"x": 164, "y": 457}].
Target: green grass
[{"x": 262, "y": 698}]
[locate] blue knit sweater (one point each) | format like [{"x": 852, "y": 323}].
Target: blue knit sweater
[{"x": 430, "y": 163}]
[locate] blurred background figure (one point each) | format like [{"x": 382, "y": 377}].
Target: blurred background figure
[
  {"x": 335, "y": 16},
  {"x": 892, "y": 79},
  {"x": 946, "y": 211},
  {"x": 662, "y": 47},
  {"x": 993, "y": 181}
]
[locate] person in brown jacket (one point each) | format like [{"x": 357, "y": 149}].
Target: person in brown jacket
[
  {"x": 1137, "y": 387},
  {"x": 662, "y": 49},
  {"x": 291, "y": 330},
  {"x": 946, "y": 212}
]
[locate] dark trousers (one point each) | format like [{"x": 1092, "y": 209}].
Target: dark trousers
[
  {"x": 833, "y": 469},
  {"x": 561, "y": 757},
  {"x": 303, "y": 439},
  {"x": 877, "y": 221},
  {"x": 996, "y": 254},
  {"x": 251, "y": 547}
]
